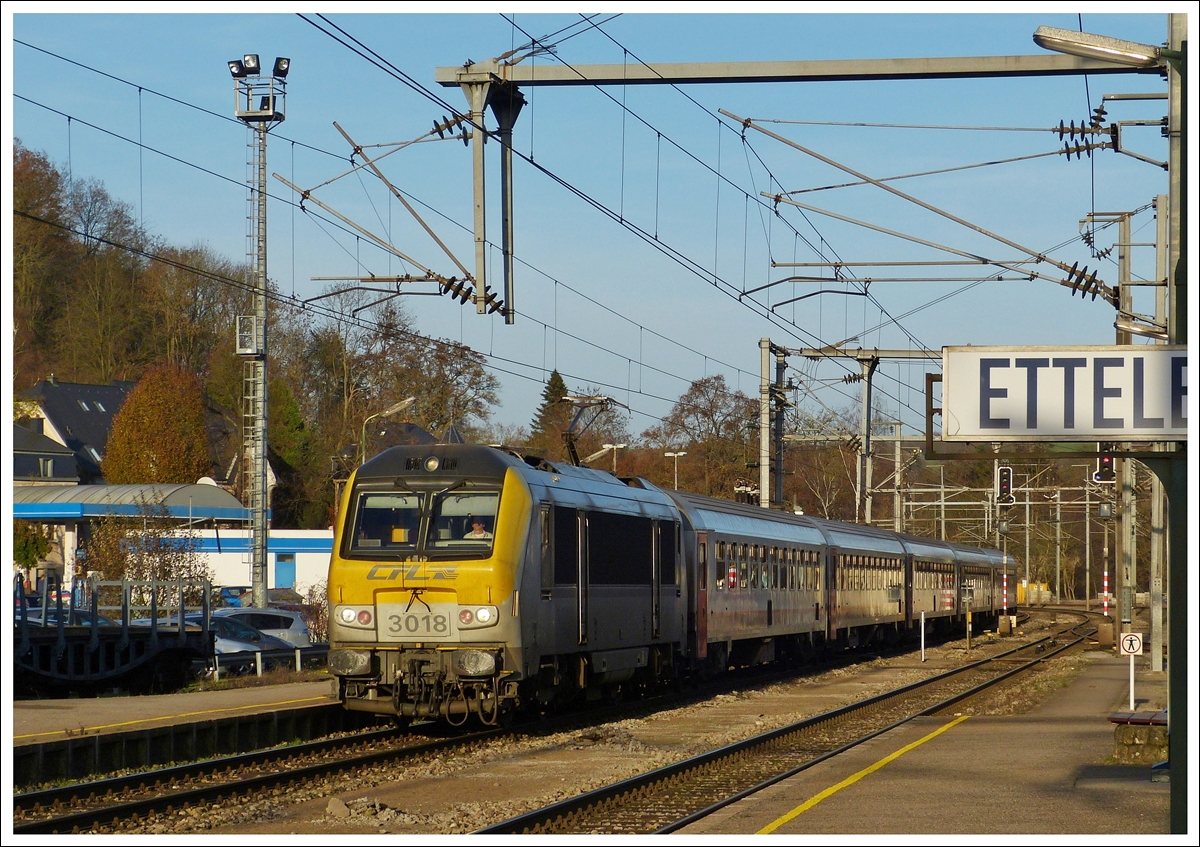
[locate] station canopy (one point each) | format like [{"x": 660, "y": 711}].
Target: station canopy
[{"x": 196, "y": 502}]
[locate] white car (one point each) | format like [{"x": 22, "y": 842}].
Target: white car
[{"x": 283, "y": 624}]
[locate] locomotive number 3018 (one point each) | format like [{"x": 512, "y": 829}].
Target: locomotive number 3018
[{"x": 416, "y": 622}]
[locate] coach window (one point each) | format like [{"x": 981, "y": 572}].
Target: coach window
[{"x": 566, "y": 546}]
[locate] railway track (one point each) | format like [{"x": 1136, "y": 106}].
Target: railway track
[
  {"x": 111, "y": 804},
  {"x": 671, "y": 797},
  {"x": 84, "y": 807}
]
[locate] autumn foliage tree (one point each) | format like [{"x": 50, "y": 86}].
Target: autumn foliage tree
[
  {"x": 716, "y": 427},
  {"x": 159, "y": 435}
]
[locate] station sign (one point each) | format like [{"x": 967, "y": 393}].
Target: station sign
[{"x": 1093, "y": 393}]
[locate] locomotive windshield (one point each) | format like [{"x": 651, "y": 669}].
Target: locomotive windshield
[
  {"x": 449, "y": 523},
  {"x": 464, "y": 520},
  {"x": 386, "y": 523}
]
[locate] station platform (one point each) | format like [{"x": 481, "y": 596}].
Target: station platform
[
  {"x": 1048, "y": 771},
  {"x": 54, "y": 740},
  {"x": 42, "y": 721}
]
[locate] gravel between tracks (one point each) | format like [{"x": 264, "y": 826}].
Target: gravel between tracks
[{"x": 463, "y": 791}]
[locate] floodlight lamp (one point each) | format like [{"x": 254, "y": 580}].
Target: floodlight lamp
[
  {"x": 250, "y": 61},
  {"x": 1089, "y": 46},
  {"x": 282, "y": 66},
  {"x": 236, "y": 69}
]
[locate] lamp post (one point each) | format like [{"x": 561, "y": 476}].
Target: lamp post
[
  {"x": 614, "y": 448},
  {"x": 1170, "y": 60},
  {"x": 386, "y": 413},
  {"x": 676, "y": 456}
]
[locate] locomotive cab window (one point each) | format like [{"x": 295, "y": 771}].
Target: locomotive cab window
[
  {"x": 464, "y": 520},
  {"x": 386, "y": 523}
]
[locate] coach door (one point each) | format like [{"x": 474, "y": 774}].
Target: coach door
[
  {"x": 831, "y": 573},
  {"x": 658, "y": 549},
  {"x": 700, "y": 591},
  {"x": 582, "y": 576},
  {"x": 909, "y": 567}
]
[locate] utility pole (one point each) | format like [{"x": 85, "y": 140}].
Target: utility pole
[
  {"x": 863, "y": 506},
  {"x": 942, "y": 500},
  {"x": 764, "y": 423},
  {"x": 1087, "y": 547},
  {"x": 897, "y": 503},
  {"x": 1028, "y": 584},
  {"x": 772, "y": 407},
  {"x": 1057, "y": 550}
]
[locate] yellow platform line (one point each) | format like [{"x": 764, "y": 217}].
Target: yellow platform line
[
  {"x": 850, "y": 780},
  {"x": 96, "y": 729}
]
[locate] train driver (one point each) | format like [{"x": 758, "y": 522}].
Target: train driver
[{"x": 478, "y": 530}]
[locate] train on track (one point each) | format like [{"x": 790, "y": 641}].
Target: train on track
[{"x": 470, "y": 580}]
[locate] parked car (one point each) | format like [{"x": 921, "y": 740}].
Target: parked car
[
  {"x": 283, "y": 624},
  {"x": 234, "y": 596},
  {"x": 234, "y": 636}
]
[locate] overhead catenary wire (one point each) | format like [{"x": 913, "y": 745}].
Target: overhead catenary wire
[
  {"x": 322, "y": 223},
  {"x": 713, "y": 278},
  {"x": 341, "y": 229}
]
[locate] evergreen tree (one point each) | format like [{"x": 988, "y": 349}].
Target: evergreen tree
[{"x": 552, "y": 418}]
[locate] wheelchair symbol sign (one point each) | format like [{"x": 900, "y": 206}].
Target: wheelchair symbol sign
[{"x": 1131, "y": 644}]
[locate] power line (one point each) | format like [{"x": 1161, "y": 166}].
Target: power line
[
  {"x": 375, "y": 59},
  {"x": 408, "y": 81}
]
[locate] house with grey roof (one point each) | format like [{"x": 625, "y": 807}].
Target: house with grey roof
[
  {"x": 38, "y": 460},
  {"x": 77, "y": 416}
]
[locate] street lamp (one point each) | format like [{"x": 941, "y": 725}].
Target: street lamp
[
  {"x": 676, "y": 456},
  {"x": 614, "y": 448},
  {"x": 386, "y": 413},
  {"x": 1101, "y": 47}
]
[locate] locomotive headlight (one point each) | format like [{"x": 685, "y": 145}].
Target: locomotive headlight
[
  {"x": 431, "y": 464},
  {"x": 349, "y": 662},
  {"x": 351, "y": 616},
  {"x": 477, "y": 617},
  {"x": 474, "y": 663}
]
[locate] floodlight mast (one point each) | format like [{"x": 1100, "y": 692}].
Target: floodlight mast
[{"x": 259, "y": 103}]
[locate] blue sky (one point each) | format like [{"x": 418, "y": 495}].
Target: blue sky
[{"x": 605, "y": 307}]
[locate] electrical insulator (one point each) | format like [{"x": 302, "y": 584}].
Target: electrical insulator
[{"x": 456, "y": 289}]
